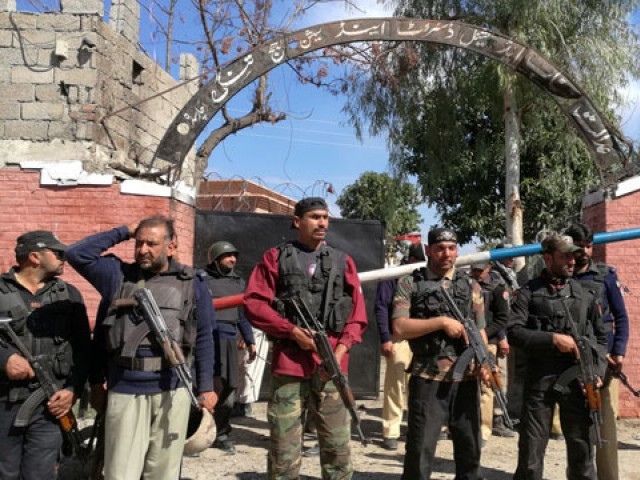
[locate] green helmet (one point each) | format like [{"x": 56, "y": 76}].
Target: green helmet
[{"x": 220, "y": 248}]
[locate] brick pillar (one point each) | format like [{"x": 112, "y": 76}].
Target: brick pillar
[
  {"x": 618, "y": 213},
  {"x": 125, "y": 19},
  {"x": 189, "y": 68},
  {"x": 76, "y": 212},
  {"x": 82, "y": 7},
  {"x": 7, "y": 5}
]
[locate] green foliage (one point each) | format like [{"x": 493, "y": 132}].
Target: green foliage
[
  {"x": 443, "y": 108},
  {"x": 378, "y": 196}
]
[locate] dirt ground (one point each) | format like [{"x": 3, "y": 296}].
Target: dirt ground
[
  {"x": 373, "y": 462},
  {"x": 499, "y": 456}
]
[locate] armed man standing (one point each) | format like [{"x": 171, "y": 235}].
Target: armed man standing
[
  {"x": 50, "y": 320},
  {"x": 307, "y": 270},
  {"x": 604, "y": 280},
  {"x": 148, "y": 406},
  {"x": 556, "y": 320},
  {"x": 223, "y": 281},
  {"x": 422, "y": 315}
]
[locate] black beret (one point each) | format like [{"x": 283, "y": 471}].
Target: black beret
[
  {"x": 309, "y": 204},
  {"x": 438, "y": 235}
]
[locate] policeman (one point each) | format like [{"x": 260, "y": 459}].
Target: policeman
[
  {"x": 147, "y": 407},
  {"x": 223, "y": 281},
  {"x": 50, "y": 318},
  {"x": 604, "y": 280},
  {"x": 496, "y": 310},
  {"x": 422, "y": 316},
  {"x": 327, "y": 280},
  {"x": 540, "y": 323},
  {"x": 397, "y": 355}
]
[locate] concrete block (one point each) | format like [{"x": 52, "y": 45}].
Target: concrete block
[
  {"x": 41, "y": 39},
  {"x": 62, "y": 130},
  {"x": 25, "y": 21},
  {"x": 42, "y": 111},
  {"x": 125, "y": 19},
  {"x": 82, "y": 7},
  {"x": 5, "y": 74},
  {"x": 77, "y": 76},
  {"x": 26, "y": 75},
  {"x": 13, "y": 56},
  {"x": 17, "y": 93},
  {"x": 59, "y": 22},
  {"x": 26, "y": 130},
  {"x": 7, "y": 5},
  {"x": 48, "y": 93},
  {"x": 6, "y": 39},
  {"x": 1, "y": 129},
  {"x": 9, "y": 111}
]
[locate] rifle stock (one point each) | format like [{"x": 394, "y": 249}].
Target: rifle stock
[
  {"x": 329, "y": 361},
  {"x": 625, "y": 381}
]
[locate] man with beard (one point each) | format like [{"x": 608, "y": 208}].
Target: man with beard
[
  {"x": 422, "y": 315},
  {"x": 147, "y": 407},
  {"x": 539, "y": 324},
  {"x": 604, "y": 280},
  {"x": 327, "y": 281},
  {"x": 49, "y": 317},
  {"x": 223, "y": 281}
]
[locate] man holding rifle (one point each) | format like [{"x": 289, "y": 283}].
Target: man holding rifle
[
  {"x": 48, "y": 322},
  {"x": 558, "y": 322},
  {"x": 604, "y": 280},
  {"x": 326, "y": 280},
  {"x": 148, "y": 403},
  {"x": 437, "y": 397}
]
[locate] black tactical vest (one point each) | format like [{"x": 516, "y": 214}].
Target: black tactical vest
[
  {"x": 487, "y": 289},
  {"x": 224, "y": 286},
  {"x": 45, "y": 330},
  {"x": 128, "y": 336},
  {"x": 323, "y": 292},
  {"x": 547, "y": 312},
  {"x": 427, "y": 302}
]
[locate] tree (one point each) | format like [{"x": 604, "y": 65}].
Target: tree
[
  {"x": 461, "y": 122},
  {"x": 378, "y": 196}
]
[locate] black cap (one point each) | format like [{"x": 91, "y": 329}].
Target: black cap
[
  {"x": 37, "y": 240},
  {"x": 559, "y": 243},
  {"x": 309, "y": 204},
  {"x": 438, "y": 235}
]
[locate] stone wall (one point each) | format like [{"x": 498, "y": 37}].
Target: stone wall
[{"x": 621, "y": 212}]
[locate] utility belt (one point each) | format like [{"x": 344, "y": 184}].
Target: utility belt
[{"x": 149, "y": 363}]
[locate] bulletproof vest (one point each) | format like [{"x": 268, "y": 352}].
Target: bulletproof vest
[
  {"x": 127, "y": 332},
  {"x": 595, "y": 283},
  {"x": 547, "y": 312},
  {"x": 427, "y": 302},
  {"x": 487, "y": 287},
  {"x": 323, "y": 292},
  {"x": 45, "y": 330},
  {"x": 224, "y": 286}
]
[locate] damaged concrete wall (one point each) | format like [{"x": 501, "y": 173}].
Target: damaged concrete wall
[{"x": 61, "y": 74}]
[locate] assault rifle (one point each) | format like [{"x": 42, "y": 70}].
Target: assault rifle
[
  {"x": 47, "y": 389},
  {"x": 146, "y": 305},
  {"x": 625, "y": 381},
  {"x": 329, "y": 361},
  {"x": 586, "y": 375},
  {"x": 477, "y": 350}
]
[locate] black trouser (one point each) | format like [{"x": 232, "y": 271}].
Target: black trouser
[
  {"x": 227, "y": 385},
  {"x": 536, "y": 426},
  {"x": 517, "y": 372},
  {"x": 435, "y": 404},
  {"x": 32, "y": 452}
]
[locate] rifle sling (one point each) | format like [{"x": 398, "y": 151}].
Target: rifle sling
[{"x": 28, "y": 407}]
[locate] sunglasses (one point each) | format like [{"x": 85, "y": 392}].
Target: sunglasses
[{"x": 59, "y": 254}]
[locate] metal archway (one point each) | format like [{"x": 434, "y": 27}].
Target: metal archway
[{"x": 605, "y": 144}]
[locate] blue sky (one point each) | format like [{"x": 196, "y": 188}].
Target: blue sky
[{"x": 314, "y": 147}]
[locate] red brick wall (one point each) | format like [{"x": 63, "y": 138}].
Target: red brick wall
[
  {"x": 617, "y": 214},
  {"x": 76, "y": 212}
]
